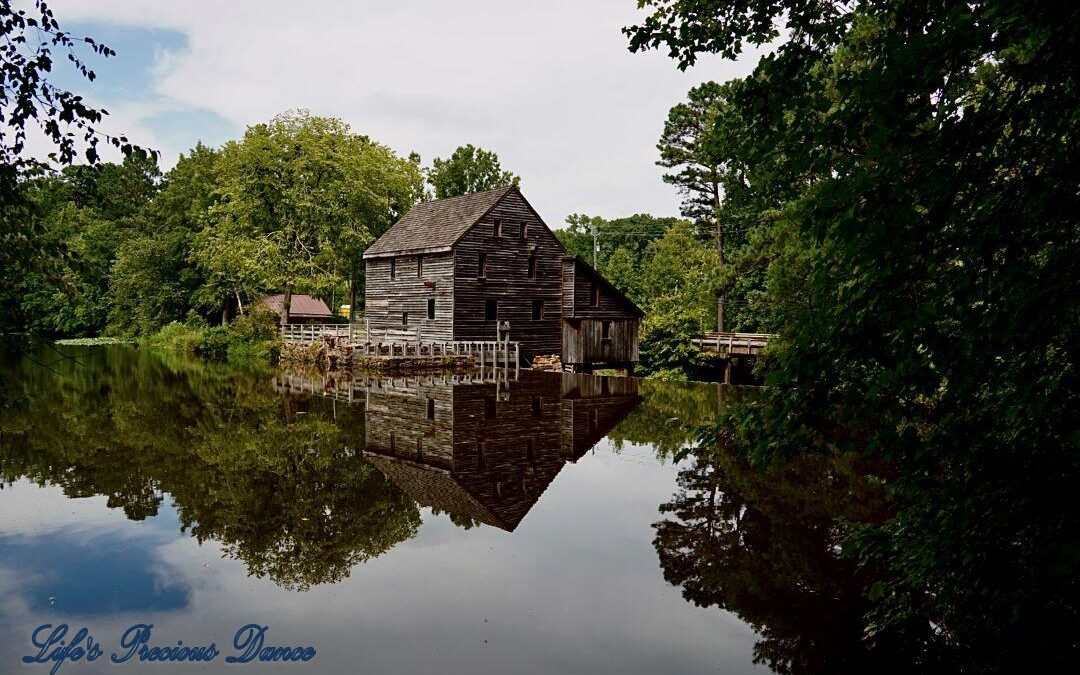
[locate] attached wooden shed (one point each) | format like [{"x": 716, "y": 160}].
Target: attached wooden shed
[{"x": 599, "y": 323}]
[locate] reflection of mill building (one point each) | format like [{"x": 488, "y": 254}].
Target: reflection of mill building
[{"x": 487, "y": 451}]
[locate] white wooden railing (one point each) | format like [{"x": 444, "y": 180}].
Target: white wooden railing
[{"x": 312, "y": 332}]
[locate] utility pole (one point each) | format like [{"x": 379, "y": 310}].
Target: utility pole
[{"x": 595, "y": 243}]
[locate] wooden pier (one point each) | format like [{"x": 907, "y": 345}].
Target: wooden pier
[{"x": 404, "y": 344}]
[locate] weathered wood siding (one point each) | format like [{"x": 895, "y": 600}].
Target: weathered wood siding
[
  {"x": 577, "y": 294},
  {"x": 385, "y": 299},
  {"x": 507, "y": 279},
  {"x": 583, "y": 341},
  {"x": 583, "y": 321}
]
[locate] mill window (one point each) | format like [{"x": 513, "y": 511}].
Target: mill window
[
  {"x": 431, "y": 308},
  {"x": 393, "y": 268},
  {"x": 532, "y": 266},
  {"x": 537, "y": 310},
  {"x": 497, "y": 226},
  {"x": 491, "y": 309},
  {"x": 595, "y": 295},
  {"x": 481, "y": 267},
  {"x": 605, "y": 330},
  {"x": 419, "y": 266},
  {"x": 404, "y": 318}
]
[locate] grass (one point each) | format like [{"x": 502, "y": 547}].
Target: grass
[{"x": 95, "y": 341}]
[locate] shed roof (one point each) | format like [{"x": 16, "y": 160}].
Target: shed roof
[
  {"x": 432, "y": 227},
  {"x": 299, "y": 305},
  {"x": 620, "y": 297}
]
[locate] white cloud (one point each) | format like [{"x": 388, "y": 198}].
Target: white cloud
[{"x": 550, "y": 86}]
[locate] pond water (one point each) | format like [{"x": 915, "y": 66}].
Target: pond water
[{"x": 492, "y": 523}]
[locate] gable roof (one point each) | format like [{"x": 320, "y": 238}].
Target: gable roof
[
  {"x": 299, "y": 305},
  {"x": 432, "y": 227}
]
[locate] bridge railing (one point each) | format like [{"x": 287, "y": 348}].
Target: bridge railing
[{"x": 734, "y": 343}]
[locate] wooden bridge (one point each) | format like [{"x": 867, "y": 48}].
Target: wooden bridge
[
  {"x": 733, "y": 345},
  {"x": 403, "y": 343}
]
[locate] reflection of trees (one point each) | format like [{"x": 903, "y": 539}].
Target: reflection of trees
[
  {"x": 672, "y": 414},
  {"x": 765, "y": 545},
  {"x": 279, "y": 482}
]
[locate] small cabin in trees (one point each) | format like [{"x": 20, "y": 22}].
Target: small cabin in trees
[
  {"x": 485, "y": 266},
  {"x": 302, "y": 308}
]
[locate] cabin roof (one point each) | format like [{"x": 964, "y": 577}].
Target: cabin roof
[
  {"x": 434, "y": 227},
  {"x": 299, "y": 306},
  {"x": 627, "y": 304}
]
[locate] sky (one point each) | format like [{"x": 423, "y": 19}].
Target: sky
[{"x": 551, "y": 87}]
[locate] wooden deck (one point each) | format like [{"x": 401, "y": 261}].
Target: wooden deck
[
  {"x": 733, "y": 344},
  {"x": 392, "y": 344}
]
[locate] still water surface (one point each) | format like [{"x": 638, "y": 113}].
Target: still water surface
[{"x": 539, "y": 524}]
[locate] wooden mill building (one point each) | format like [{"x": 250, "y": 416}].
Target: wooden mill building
[{"x": 485, "y": 266}]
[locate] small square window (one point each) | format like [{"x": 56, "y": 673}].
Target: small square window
[
  {"x": 393, "y": 268},
  {"x": 491, "y": 309},
  {"x": 497, "y": 227},
  {"x": 537, "y": 310},
  {"x": 419, "y": 266},
  {"x": 404, "y": 318},
  {"x": 431, "y": 308}
]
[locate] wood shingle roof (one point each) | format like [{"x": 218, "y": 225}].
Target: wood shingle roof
[{"x": 431, "y": 227}]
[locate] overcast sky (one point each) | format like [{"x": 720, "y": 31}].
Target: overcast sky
[{"x": 550, "y": 86}]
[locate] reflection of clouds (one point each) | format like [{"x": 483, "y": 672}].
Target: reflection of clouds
[
  {"x": 30, "y": 510},
  {"x": 575, "y": 588}
]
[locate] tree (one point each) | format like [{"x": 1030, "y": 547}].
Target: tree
[
  {"x": 469, "y": 169},
  {"x": 29, "y": 42},
  {"x": 700, "y": 144},
  {"x": 932, "y": 314},
  {"x": 154, "y": 280},
  {"x": 87, "y": 212},
  {"x": 300, "y": 198}
]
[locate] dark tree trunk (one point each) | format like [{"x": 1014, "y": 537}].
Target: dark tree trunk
[
  {"x": 720, "y": 256},
  {"x": 286, "y": 305}
]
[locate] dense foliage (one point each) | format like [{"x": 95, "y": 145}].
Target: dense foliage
[
  {"x": 469, "y": 169},
  {"x": 914, "y": 187},
  {"x": 30, "y": 102}
]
